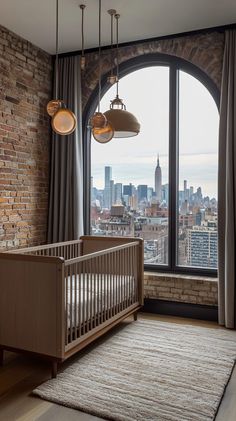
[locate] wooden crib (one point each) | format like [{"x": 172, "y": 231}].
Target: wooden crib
[{"x": 56, "y": 299}]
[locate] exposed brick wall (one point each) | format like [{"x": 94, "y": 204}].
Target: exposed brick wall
[
  {"x": 25, "y": 88},
  {"x": 181, "y": 288}
]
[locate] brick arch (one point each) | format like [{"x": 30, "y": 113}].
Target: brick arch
[{"x": 205, "y": 51}]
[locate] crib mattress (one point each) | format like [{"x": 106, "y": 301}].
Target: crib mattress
[{"x": 89, "y": 296}]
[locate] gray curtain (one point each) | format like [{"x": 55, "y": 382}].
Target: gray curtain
[
  {"x": 227, "y": 186},
  {"x": 65, "y": 219}
]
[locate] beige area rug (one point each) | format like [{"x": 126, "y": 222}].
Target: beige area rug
[{"x": 149, "y": 371}]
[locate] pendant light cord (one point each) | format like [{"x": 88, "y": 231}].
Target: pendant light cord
[
  {"x": 82, "y": 28},
  {"x": 112, "y": 19},
  {"x": 56, "y": 62},
  {"x": 99, "y": 55},
  {"x": 117, "y": 53}
]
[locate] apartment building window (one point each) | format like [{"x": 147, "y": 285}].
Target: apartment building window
[{"x": 162, "y": 184}]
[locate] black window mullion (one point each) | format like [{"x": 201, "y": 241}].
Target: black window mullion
[{"x": 173, "y": 164}]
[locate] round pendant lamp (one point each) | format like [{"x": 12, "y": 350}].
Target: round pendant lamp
[
  {"x": 63, "y": 120},
  {"x": 124, "y": 123},
  {"x": 53, "y": 106},
  {"x": 104, "y": 134}
]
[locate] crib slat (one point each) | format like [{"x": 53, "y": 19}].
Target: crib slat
[
  {"x": 67, "y": 310},
  {"x": 102, "y": 288},
  {"x": 106, "y": 288},
  {"x": 79, "y": 306},
  {"x": 91, "y": 294},
  {"x": 83, "y": 301},
  {"x": 71, "y": 301},
  {"x": 75, "y": 301},
  {"x": 94, "y": 293},
  {"x": 112, "y": 291}
]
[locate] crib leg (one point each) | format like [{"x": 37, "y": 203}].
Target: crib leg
[
  {"x": 135, "y": 316},
  {"x": 54, "y": 369},
  {"x": 1, "y": 357}
]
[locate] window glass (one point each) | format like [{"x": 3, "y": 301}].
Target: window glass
[
  {"x": 197, "y": 190},
  {"x": 129, "y": 177}
]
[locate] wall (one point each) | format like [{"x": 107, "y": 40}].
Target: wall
[{"x": 25, "y": 88}]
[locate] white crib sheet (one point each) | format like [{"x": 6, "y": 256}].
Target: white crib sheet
[{"x": 96, "y": 294}]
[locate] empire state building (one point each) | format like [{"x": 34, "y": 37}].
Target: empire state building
[{"x": 158, "y": 180}]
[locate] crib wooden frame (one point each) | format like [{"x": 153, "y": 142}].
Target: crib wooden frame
[{"x": 41, "y": 300}]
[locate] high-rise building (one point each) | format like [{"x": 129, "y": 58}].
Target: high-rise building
[
  {"x": 107, "y": 188},
  {"x": 149, "y": 194},
  {"x": 118, "y": 193},
  {"x": 158, "y": 180},
  {"x": 142, "y": 192},
  {"x": 112, "y": 193},
  {"x": 128, "y": 190},
  {"x": 165, "y": 193},
  {"x": 202, "y": 247}
]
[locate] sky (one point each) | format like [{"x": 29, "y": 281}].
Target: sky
[{"x": 146, "y": 94}]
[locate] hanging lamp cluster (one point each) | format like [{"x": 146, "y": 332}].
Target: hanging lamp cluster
[
  {"x": 63, "y": 120},
  {"x": 116, "y": 122}
]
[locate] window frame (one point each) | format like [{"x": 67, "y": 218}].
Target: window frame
[{"x": 175, "y": 65}]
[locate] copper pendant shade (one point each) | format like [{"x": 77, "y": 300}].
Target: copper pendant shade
[
  {"x": 63, "y": 120},
  {"x": 53, "y": 106},
  {"x": 104, "y": 134}
]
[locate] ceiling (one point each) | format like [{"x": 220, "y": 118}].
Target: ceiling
[{"x": 34, "y": 20}]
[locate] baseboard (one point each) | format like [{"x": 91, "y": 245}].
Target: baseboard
[{"x": 174, "y": 308}]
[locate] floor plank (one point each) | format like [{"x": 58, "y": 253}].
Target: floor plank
[{"x": 20, "y": 375}]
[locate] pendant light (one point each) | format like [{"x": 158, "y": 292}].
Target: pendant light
[
  {"x": 63, "y": 120},
  {"x": 124, "y": 123},
  {"x": 112, "y": 78},
  {"x": 101, "y": 129},
  {"x": 82, "y": 59}
]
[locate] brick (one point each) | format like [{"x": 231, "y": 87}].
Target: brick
[{"x": 26, "y": 76}]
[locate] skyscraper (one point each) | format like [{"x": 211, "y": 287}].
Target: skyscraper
[
  {"x": 107, "y": 188},
  {"x": 142, "y": 192},
  {"x": 202, "y": 247},
  {"x": 158, "y": 180}
]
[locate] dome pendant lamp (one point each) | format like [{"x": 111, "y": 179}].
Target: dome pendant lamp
[
  {"x": 123, "y": 122},
  {"x": 63, "y": 120},
  {"x": 101, "y": 129}
]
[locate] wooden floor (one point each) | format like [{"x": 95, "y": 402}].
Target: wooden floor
[{"x": 20, "y": 375}]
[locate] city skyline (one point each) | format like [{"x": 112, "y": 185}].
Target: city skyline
[
  {"x": 134, "y": 159},
  {"x": 119, "y": 176}
]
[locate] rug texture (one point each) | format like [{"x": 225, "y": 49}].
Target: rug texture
[{"x": 149, "y": 371}]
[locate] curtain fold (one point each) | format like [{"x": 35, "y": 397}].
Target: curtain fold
[
  {"x": 227, "y": 186},
  {"x": 65, "y": 217}
]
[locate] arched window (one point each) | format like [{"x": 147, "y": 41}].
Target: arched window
[{"x": 162, "y": 184}]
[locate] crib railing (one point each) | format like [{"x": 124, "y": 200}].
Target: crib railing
[
  {"x": 67, "y": 250},
  {"x": 99, "y": 287}
]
